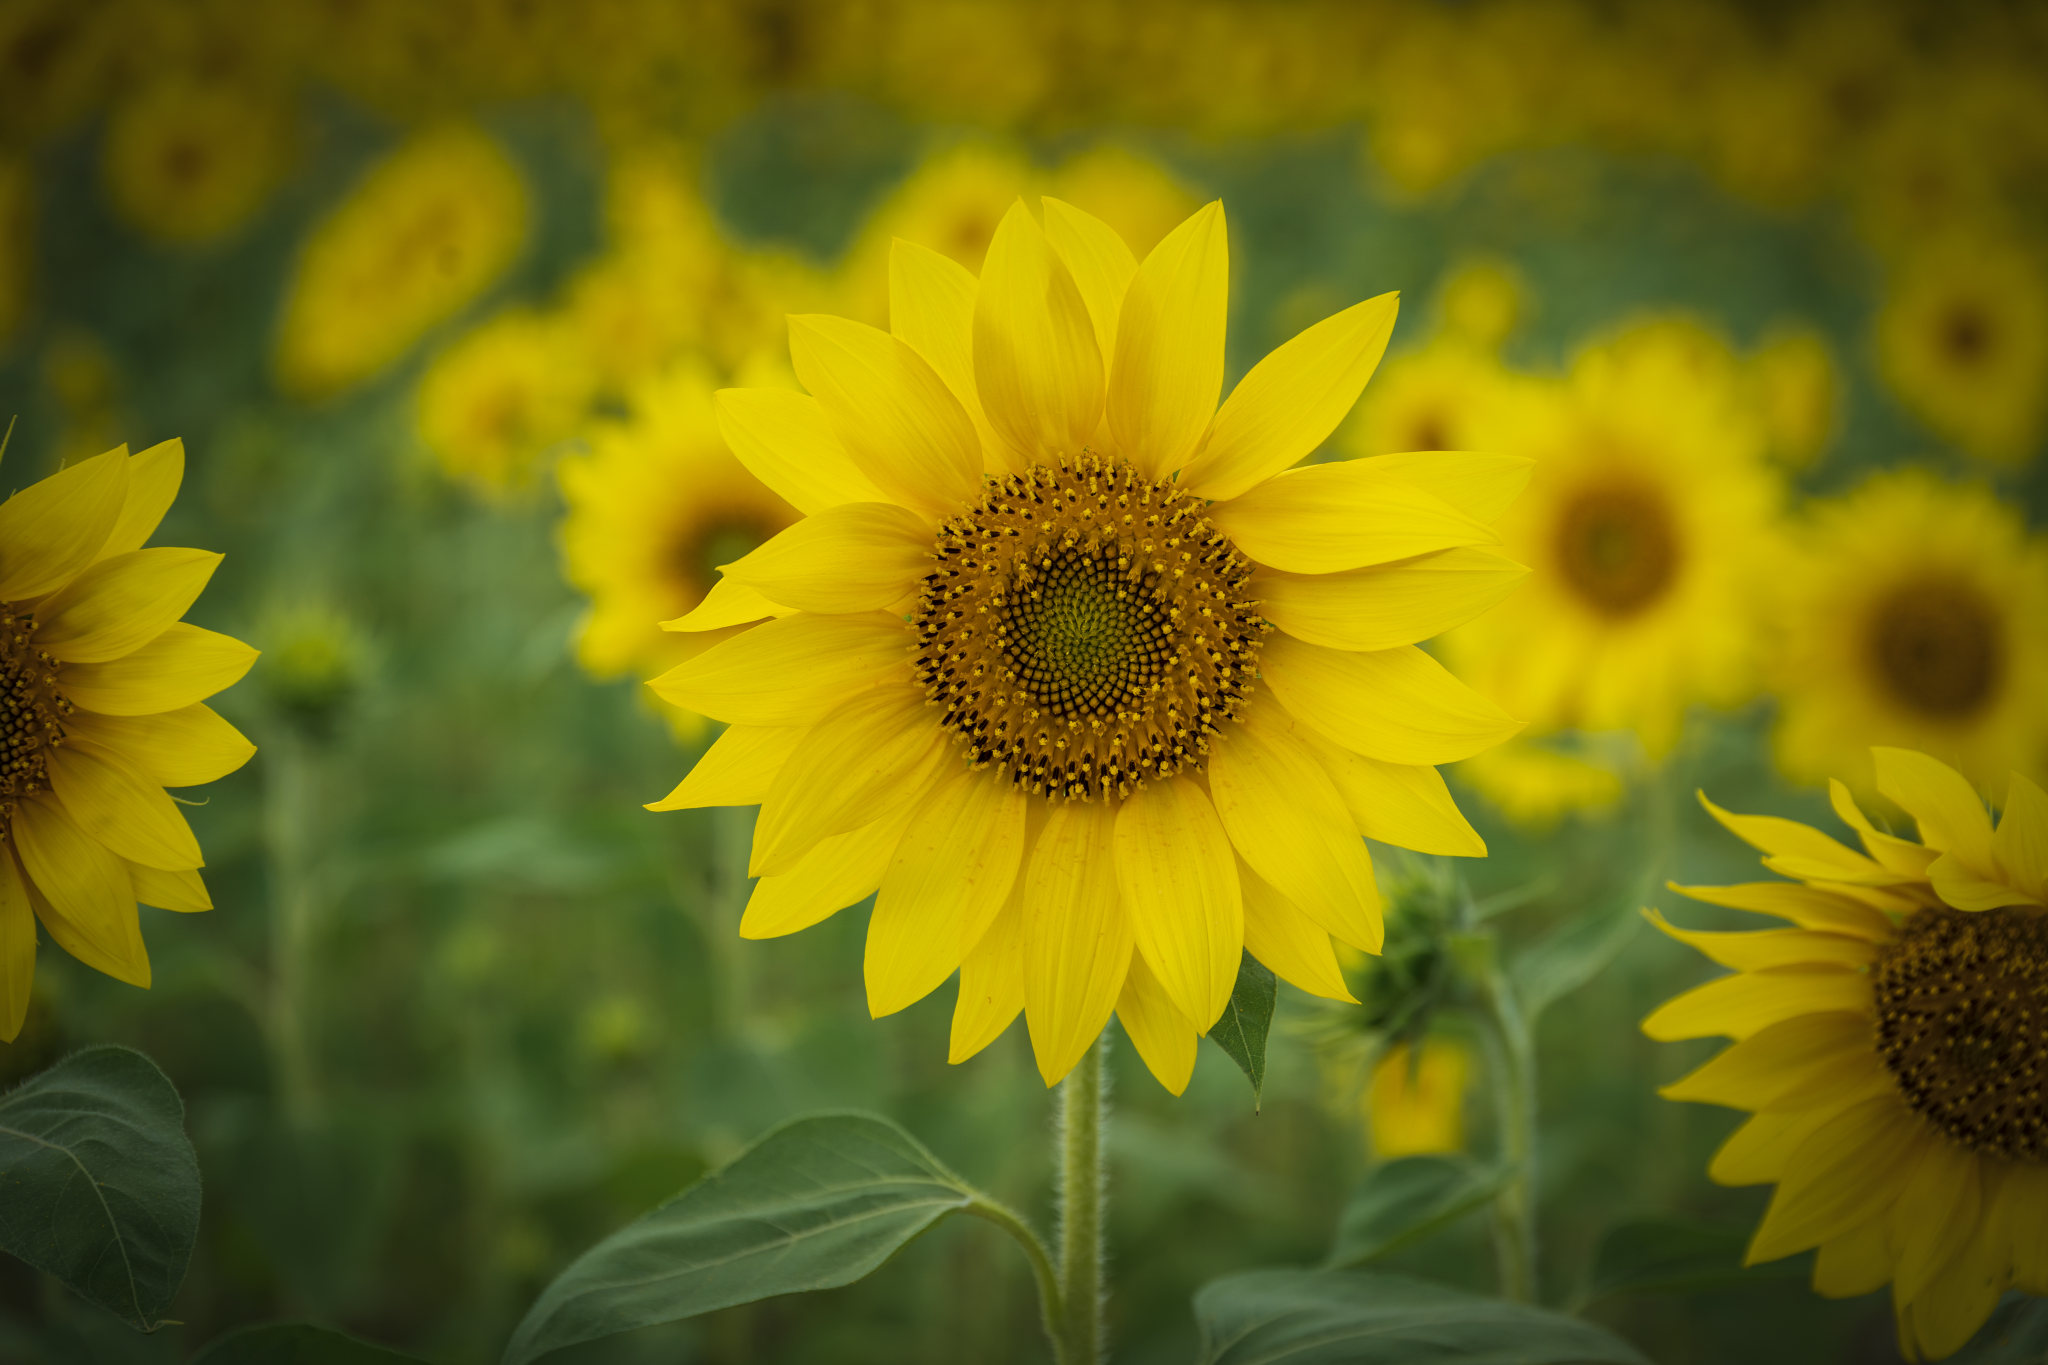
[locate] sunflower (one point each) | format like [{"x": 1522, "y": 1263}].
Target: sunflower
[
  {"x": 1912, "y": 615},
  {"x": 1648, "y": 512},
  {"x": 101, "y": 707},
  {"x": 1888, "y": 1047},
  {"x": 190, "y": 160},
  {"x": 494, "y": 402},
  {"x": 1092, "y": 729},
  {"x": 653, "y": 508},
  {"x": 1435, "y": 398},
  {"x": 1415, "y": 1103}
]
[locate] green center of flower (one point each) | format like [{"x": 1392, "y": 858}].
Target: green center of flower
[
  {"x": 1936, "y": 647},
  {"x": 1617, "y": 548},
  {"x": 31, "y": 713},
  {"x": 1962, "y": 1025},
  {"x": 1086, "y": 629}
]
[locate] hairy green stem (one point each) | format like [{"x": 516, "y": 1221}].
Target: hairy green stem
[
  {"x": 1512, "y": 1064},
  {"x": 1042, "y": 1269},
  {"x": 290, "y": 817},
  {"x": 1083, "y": 1104}
]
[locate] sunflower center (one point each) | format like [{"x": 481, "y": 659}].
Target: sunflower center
[
  {"x": 1086, "y": 629},
  {"x": 31, "y": 713},
  {"x": 1617, "y": 548},
  {"x": 1965, "y": 334},
  {"x": 1936, "y": 647},
  {"x": 1962, "y": 1024}
]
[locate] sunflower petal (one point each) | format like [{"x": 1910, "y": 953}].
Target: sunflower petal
[
  {"x": 1747, "y": 1002},
  {"x": 1809, "y": 907},
  {"x": 1941, "y": 801},
  {"x": 17, "y": 949},
  {"x": 1168, "y": 367},
  {"x": 1098, "y": 259},
  {"x": 85, "y": 889},
  {"x": 1755, "y": 1153},
  {"x": 1902, "y": 856},
  {"x": 1941, "y": 1320},
  {"x": 1387, "y": 605},
  {"x": 183, "y": 892},
  {"x": 183, "y": 665},
  {"x": 791, "y": 671},
  {"x": 837, "y": 872},
  {"x": 991, "y": 984},
  {"x": 122, "y": 809},
  {"x": 729, "y": 603},
  {"x": 2020, "y": 846},
  {"x": 1803, "y": 848},
  {"x": 1178, "y": 880},
  {"x": 875, "y": 755},
  {"x": 1327, "y": 518},
  {"x": 118, "y": 605},
  {"x": 931, "y": 307},
  {"x": 153, "y": 478},
  {"x": 1753, "y": 949},
  {"x": 1077, "y": 938},
  {"x": 52, "y": 529},
  {"x": 1404, "y": 804},
  {"x": 1395, "y": 705},
  {"x": 785, "y": 441},
  {"x": 1164, "y": 1036},
  {"x": 1774, "y": 1061},
  {"x": 860, "y": 556},
  {"x": 736, "y": 770},
  {"x": 1937, "y": 1215},
  {"x": 1479, "y": 484},
  {"x": 1826, "y": 1188},
  {"x": 1290, "y": 944},
  {"x": 182, "y": 748},
  {"x": 1036, "y": 363},
  {"x": 1855, "y": 1263}
]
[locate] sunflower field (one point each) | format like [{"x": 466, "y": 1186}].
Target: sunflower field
[{"x": 1368, "y": 677}]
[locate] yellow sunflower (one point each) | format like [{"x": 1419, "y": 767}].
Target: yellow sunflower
[
  {"x": 1069, "y": 663},
  {"x": 1415, "y": 1102},
  {"x": 652, "y": 510},
  {"x": 1648, "y": 512},
  {"x": 1912, "y": 615},
  {"x": 189, "y": 160},
  {"x": 101, "y": 707},
  {"x": 1435, "y": 398},
  {"x": 1888, "y": 1048},
  {"x": 494, "y": 402}
]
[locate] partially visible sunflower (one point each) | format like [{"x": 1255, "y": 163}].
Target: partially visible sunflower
[
  {"x": 496, "y": 400},
  {"x": 1415, "y": 1102},
  {"x": 102, "y": 692},
  {"x": 1069, "y": 662},
  {"x": 1888, "y": 1047},
  {"x": 190, "y": 160},
  {"x": 1912, "y": 614}
]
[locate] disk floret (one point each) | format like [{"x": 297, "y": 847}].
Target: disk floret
[
  {"x": 1087, "y": 629},
  {"x": 32, "y": 714},
  {"x": 1962, "y": 1024}
]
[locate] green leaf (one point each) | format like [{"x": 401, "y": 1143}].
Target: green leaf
[
  {"x": 1336, "y": 1317},
  {"x": 1574, "y": 953},
  {"x": 816, "y": 1204},
  {"x": 296, "y": 1343},
  {"x": 1241, "y": 1031},
  {"x": 1405, "y": 1200},
  {"x": 1664, "y": 1255},
  {"x": 98, "y": 1183}
]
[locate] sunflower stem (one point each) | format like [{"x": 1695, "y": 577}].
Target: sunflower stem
[
  {"x": 1512, "y": 1058},
  {"x": 1083, "y": 1189},
  {"x": 290, "y": 818}
]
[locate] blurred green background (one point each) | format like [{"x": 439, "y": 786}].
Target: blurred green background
[{"x": 464, "y": 1007}]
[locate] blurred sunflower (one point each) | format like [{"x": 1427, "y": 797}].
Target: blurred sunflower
[
  {"x": 1911, "y": 614},
  {"x": 1888, "y": 1048},
  {"x": 189, "y": 160},
  {"x": 1014, "y": 682},
  {"x": 1437, "y": 398},
  {"x": 652, "y": 510},
  {"x": 419, "y": 237},
  {"x": 1535, "y": 784},
  {"x": 1649, "y": 511},
  {"x": 103, "y": 689},
  {"x": 1963, "y": 339},
  {"x": 496, "y": 400},
  {"x": 1415, "y": 1102}
]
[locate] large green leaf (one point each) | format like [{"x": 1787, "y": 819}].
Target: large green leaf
[
  {"x": 1242, "y": 1028},
  {"x": 1405, "y": 1200},
  {"x": 816, "y": 1204},
  {"x": 1335, "y": 1317},
  {"x": 296, "y": 1343},
  {"x": 98, "y": 1183},
  {"x": 1677, "y": 1255}
]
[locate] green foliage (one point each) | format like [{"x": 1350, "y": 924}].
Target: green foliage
[
  {"x": 101, "y": 1184},
  {"x": 1404, "y": 1201},
  {"x": 1331, "y": 1317},
  {"x": 814, "y": 1205},
  {"x": 1664, "y": 1255},
  {"x": 1241, "y": 1029},
  {"x": 1576, "y": 951},
  {"x": 296, "y": 1343}
]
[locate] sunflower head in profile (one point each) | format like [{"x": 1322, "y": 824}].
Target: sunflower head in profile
[
  {"x": 102, "y": 692},
  {"x": 1066, "y": 664},
  {"x": 1889, "y": 1047},
  {"x": 1911, "y": 615}
]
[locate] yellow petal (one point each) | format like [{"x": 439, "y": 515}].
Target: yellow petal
[
  {"x": 1292, "y": 400},
  {"x": 88, "y": 904},
  {"x": 2024, "y": 1199},
  {"x": 1395, "y": 705},
  {"x": 1754, "y": 949},
  {"x": 840, "y": 871},
  {"x": 1802, "y": 849},
  {"x": 52, "y": 529},
  {"x": 1855, "y": 1263},
  {"x": 903, "y": 427},
  {"x": 183, "y": 892},
  {"x": 931, "y": 307},
  {"x": 1286, "y": 819},
  {"x": 1387, "y": 605},
  {"x": 1405, "y": 804},
  {"x": 1098, "y": 259},
  {"x": 1808, "y": 907},
  {"x": 1829, "y": 1177},
  {"x": 785, "y": 441},
  {"x": 118, "y": 605},
  {"x": 2020, "y": 847},
  {"x": 181, "y": 748},
  {"x": 873, "y": 756},
  {"x": 17, "y": 949},
  {"x": 1942, "y": 1319},
  {"x": 729, "y": 603},
  {"x": 122, "y": 809},
  {"x": 1164, "y": 1036},
  {"x": 1168, "y": 370},
  {"x": 1178, "y": 881},
  {"x": 1327, "y": 518},
  {"x": 1737, "y": 1006},
  {"x": 791, "y": 671},
  {"x": 991, "y": 983},
  {"x": 1077, "y": 938},
  {"x": 1786, "y": 1057},
  {"x": 1755, "y": 1153},
  {"x": 862, "y": 556},
  {"x": 1291, "y": 945},
  {"x": 1947, "y": 808},
  {"x": 183, "y": 665},
  {"x": 1479, "y": 484},
  {"x": 153, "y": 478},
  {"x": 736, "y": 770},
  {"x": 951, "y": 873},
  {"x": 1036, "y": 364},
  {"x": 1894, "y": 854},
  {"x": 1960, "y": 885},
  {"x": 1936, "y": 1216}
]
